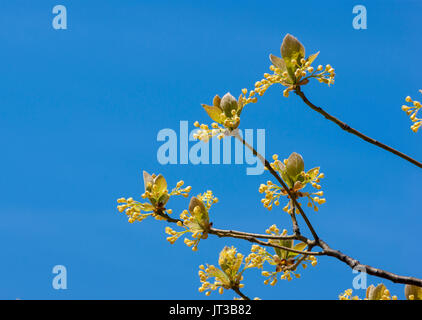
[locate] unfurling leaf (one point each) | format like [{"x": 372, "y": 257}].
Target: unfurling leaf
[
  {"x": 230, "y": 261},
  {"x": 215, "y": 113},
  {"x": 278, "y": 62},
  {"x": 216, "y": 101},
  {"x": 292, "y": 51},
  {"x": 410, "y": 290},
  {"x": 283, "y": 254},
  {"x": 161, "y": 184},
  {"x": 228, "y": 103},
  {"x": 313, "y": 173},
  {"x": 162, "y": 200},
  {"x": 312, "y": 57},
  {"x": 147, "y": 179},
  {"x": 199, "y": 212},
  {"x": 300, "y": 247},
  {"x": 295, "y": 165}
]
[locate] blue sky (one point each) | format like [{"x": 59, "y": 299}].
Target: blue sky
[{"x": 80, "y": 110}]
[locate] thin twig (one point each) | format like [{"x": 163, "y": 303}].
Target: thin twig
[
  {"x": 349, "y": 129},
  {"x": 251, "y": 237},
  {"x": 262, "y": 236},
  {"x": 295, "y": 225},
  {"x": 281, "y": 181},
  {"x": 244, "y": 297},
  {"x": 263, "y": 243}
]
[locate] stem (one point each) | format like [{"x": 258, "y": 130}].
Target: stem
[
  {"x": 283, "y": 184},
  {"x": 349, "y": 129},
  {"x": 251, "y": 237},
  {"x": 244, "y": 236},
  {"x": 295, "y": 225},
  {"x": 237, "y": 290},
  {"x": 223, "y": 233}
]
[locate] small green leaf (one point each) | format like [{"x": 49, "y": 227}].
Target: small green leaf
[
  {"x": 278, "y": 62},
  {"x": 285, "y": 243},
  {"x": 277, "y": 250},
  {"x": 300, "y": 247},
  {"x": 216, "y": 101},
  {"x": 214, "y": 113},
  {"x": 287, "y": 179},
  {"x": 220, "y": 275},
  {"x": 162, "y": 200},
  {"x": 161, "y": 184},
  {"x": 147, "y": 179},
  {"x": 283, "y": 173},
  {"x": 313, "y": 173},
  {"x": 312, "y": 57}
]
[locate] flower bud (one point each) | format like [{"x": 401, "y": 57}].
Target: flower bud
[
  {"x": 295, "y": 165},
  {"x": 228, "y": 104}
]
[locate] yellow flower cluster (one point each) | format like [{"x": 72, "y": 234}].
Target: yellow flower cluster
[
  {"x": 303, "y": 73},
  {"x": 285, "y": 262},
  {"x": 157, "y": 193},
  {"x": 228, "y": 276},
  {"x": 134, "y": 208},
  {"x": 412, "y": 111},
  {"x": 179, "y": 191},
  {"x": 207, "y": 198},
  {"x": 291, "y": 70},
  {"x": 250, "y": 99},
  {"x": 224, "y": 111},
  {"x": 256, "y": 258},
  {"x": 204, "y": 133},
  {"x": 273, "y": 192},
  {"x": 195, "y": 220},
  {"x": 347, "y": 295},
  {"x": 187, "y": 224}
]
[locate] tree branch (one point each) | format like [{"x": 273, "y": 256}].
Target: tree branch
[
  {"x": 355, "y": 264},
  {"x": 326, "y": 250},
  {"x": 251, "y": 237},
  {"x": 244, "y": 236},
  {"x": 349, "y": 129}
]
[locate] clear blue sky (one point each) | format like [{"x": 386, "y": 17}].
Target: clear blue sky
[{"x": 80, "y": 110}]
